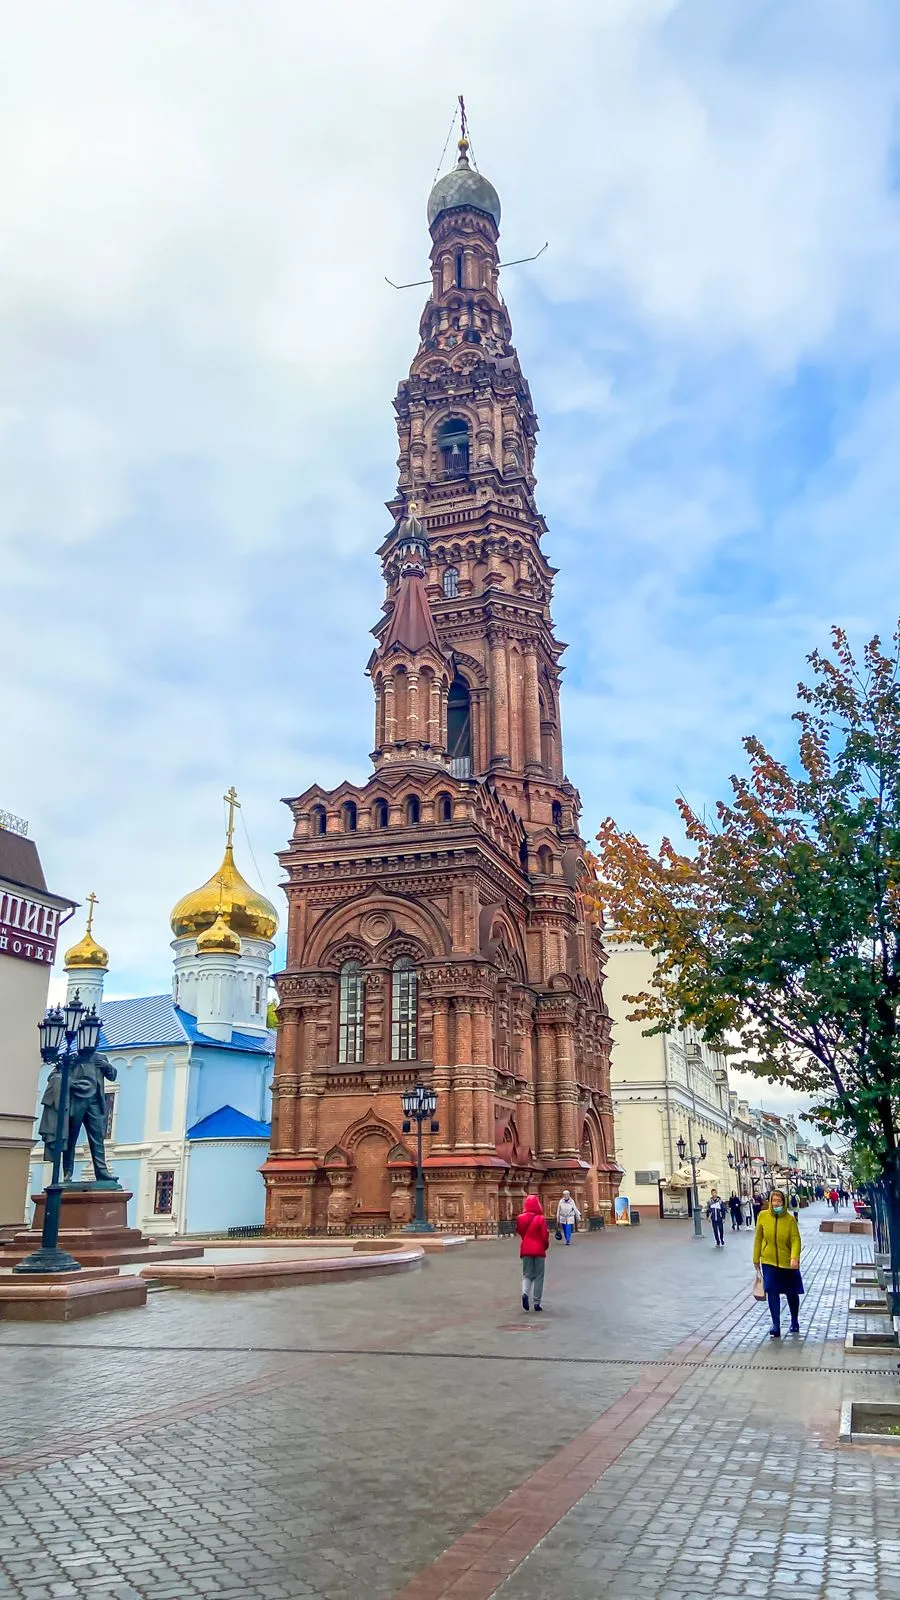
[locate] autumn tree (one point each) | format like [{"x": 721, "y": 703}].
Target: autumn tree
[{"x": 778, "y": 925}]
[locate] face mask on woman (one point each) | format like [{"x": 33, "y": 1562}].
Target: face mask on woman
[{"x": 778, "y": 1210}]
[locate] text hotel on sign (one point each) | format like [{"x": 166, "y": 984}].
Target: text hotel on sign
[{"x": 28, "y": 929}]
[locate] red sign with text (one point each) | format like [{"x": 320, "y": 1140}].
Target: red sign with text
[{"x": 28, "y": 929}]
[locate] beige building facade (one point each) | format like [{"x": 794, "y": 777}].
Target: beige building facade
[
  {"x": 664, "y": 1087},
  {"x": 30, "y": 919}
]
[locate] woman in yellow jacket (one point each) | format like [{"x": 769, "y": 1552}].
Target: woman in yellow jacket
[{"x": 776, "y": 1253}]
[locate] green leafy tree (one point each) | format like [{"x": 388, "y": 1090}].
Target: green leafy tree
[{"x": 779, "y": 924}]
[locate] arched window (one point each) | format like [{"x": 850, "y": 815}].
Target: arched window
[
  {"x": 258, "y": 999},
  {"x": 545, "y": 861},
  {"x": 459, "y": 728},
  {"x": 459, "y": 269},
  {"x": 380, "y": 813},
  {"x": 350, "y": 817},
  {"x": 351, "y": 1012},
  {"x": 412, "y": 811},
  {"x": 445, "y": 808},
  {"x": 404, "y": 1010},
  {"x": 318, "y": 820},
  {"x": 453, "y": 443},
  {"x": 451, "y": 582},
  {"x": 557, "y": 814}
]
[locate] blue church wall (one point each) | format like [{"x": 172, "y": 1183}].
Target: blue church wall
[
  {"x": 167, "y": 1096},
  {"x": 131, "y": 1098},
  {"x": 229, "y": 1078},
  {"x": 224, "y": 1187},
  {"x": 128, "y": 1172}
]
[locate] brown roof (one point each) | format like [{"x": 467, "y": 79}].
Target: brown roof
[
  {"x": 20, "y": 864},
  {"x": 411, "y": 621}
]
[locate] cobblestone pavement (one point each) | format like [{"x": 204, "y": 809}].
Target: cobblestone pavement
[{"x": 419, "y": 1436}]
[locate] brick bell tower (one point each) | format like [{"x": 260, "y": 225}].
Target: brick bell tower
[{"x": 436, "y": 929}]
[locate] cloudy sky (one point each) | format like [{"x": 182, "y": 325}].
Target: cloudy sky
[{"x": 198, "y": 352}]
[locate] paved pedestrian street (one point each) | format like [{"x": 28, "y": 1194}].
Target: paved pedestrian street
[{"x": 420, "y": 1436}]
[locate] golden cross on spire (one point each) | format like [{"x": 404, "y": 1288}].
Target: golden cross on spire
[
  {"x": 92, "y": 902},
  {"x": 233, "y": 804},
  {"x": 463, "y": 125}
]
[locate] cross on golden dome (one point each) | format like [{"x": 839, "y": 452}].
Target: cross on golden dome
[
  {"x": 87, "y": 954},
  {"x": 226, "y": 895}
]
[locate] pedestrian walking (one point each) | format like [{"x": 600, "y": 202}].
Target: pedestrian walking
[
  {"x": 567, "y": 1214},
  {"x": 757, "y": 1204},
  {"x": 715, "y": 1210},
  {"x": 531, "y": 1226},
  {"x": 737, "y": 1212},
  {"x": 776, "y": 1257},
  {"x": 833, "y": 1200}
]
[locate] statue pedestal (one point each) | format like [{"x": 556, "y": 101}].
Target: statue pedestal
[
  {"x": 63, "y": 1296},
  {"x": 93, "y": 1227}
]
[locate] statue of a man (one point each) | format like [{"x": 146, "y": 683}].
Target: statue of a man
[{"x": 86, "y": 1109}]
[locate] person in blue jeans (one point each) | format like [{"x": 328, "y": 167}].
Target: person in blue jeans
[
  {"x": 567, "y": 1214},
  {"x": 715, "y": 1210}
]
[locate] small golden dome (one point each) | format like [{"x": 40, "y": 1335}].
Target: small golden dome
[
  {"x": 219, "y": 939},
  {"x": 87, "y": 954},
  {"x": 245, "y": 911}
]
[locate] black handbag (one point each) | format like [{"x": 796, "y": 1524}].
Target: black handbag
[{"x": 559, "y": 1233}]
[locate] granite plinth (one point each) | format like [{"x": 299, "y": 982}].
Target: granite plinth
[
  {"x": 63, "y": 1296},
  {"x": 93, "y": 1227}
]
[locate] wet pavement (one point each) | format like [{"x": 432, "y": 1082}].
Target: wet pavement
[{"x": 422, "y": 1436}]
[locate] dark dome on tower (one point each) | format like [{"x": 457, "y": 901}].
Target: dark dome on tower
[{"x": 463, "y": 187}]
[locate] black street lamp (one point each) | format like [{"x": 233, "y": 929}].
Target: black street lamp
[
  {"x": 703, "y": 1147},
  {"x": 68, "y": 1034},
  {"x": 419, "y": 1105}
]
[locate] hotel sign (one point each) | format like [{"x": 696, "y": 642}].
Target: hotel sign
[{"x": 28, "y": 928}]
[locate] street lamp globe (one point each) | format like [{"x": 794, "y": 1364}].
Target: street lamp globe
[
  {"x": 703, "y": 1147},
  {"x": 681, "y": 1147},
  {"x": 409, "y": 1101},
  {"x": 730, "y": 1160},
  {"x": 72, "y": 1013},
  {"x": 52, "y": 1031},
  {"x": 88, "y": 1033}
]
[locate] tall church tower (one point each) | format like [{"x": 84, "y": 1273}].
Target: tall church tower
[{"x": 436, "y": 927}]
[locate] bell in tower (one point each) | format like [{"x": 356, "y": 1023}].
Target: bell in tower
[{"x": 437, "y": 930}]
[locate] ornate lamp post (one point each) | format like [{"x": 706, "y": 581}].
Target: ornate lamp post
[
  {"x": 68, "y": 1034},
  {"x": 419, "y": 1105},
  {"x": 737, "y": 1165},
  {"x": 681, "y": 1147}
]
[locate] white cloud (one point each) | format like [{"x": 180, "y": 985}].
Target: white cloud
[{"x": 198, "y": 354}]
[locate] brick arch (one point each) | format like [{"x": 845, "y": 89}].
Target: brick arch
[
  {"x": 411, "y": 917},
  {"x": 365, "y": 1126}
]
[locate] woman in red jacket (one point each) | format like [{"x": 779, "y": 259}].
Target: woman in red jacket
[{"x": 532, "y": 1229}]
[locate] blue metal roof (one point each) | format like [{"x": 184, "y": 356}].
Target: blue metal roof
[
  {"x": 154, "y": 1019},
  {"x": 226, "y": 1123}
]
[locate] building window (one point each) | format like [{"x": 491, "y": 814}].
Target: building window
[
  {"x": 451, "y": 582},
  {"x": 351, "y": 1009},
  {"x": 413, "y": 810},
  {"x": 453, "y": 444},
  {"x": 258, "y": 996},
  {"x": 445, "y": 808},
  {"x": 109, "y": 1101},
  {"x": 557, "y": 814},
  {"x": 350, "y": 817},
  {"x": 319, "y": 819},
  {"x": 380, "y": 813},
  {"x": 404, "y": 1007},
  {"x": 459, "y": 729},
  {"x": 459, "y": 269},
  {"x": 545, "y": 861},
  {"x": 164, "y": 1194}
]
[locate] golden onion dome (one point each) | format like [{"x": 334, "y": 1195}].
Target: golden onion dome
[
  {"x": 246, "y": 912},
  {"x": 219, "y": 939},
  {"x": 87, "y": 954}
]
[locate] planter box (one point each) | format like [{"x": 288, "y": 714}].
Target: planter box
[
  {"x": 868, "y": 1422},
  {"x": 872, "y": 1344},
  {"x": 869, "y": 1307}
]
